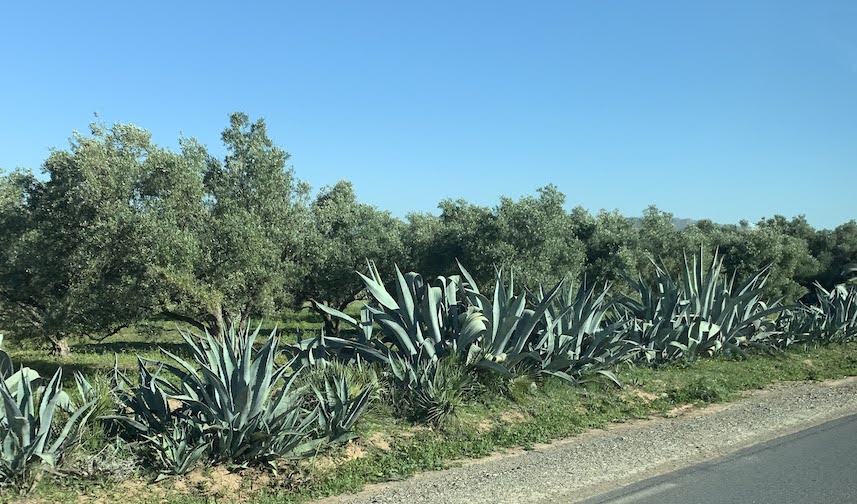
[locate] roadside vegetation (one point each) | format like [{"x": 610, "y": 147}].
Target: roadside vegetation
[{"x": 144, "y": 272}]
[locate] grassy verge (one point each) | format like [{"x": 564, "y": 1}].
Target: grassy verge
[{"x": 391, "y": 449}]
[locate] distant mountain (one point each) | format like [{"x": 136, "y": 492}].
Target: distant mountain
[
  {"x": 678, "y": 223},
  {"x": 683, "y": 223}
]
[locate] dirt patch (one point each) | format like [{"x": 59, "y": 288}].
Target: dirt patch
[
  {"x": 484, "y": 426},
  {"x": 647, "y": 397},
  {"x": 838, "y": 383},
  {"x": 218, "y": 481},
  {"x": 378, "y": 440},
  {"x": 678, "y": 411},
  {"x": 513, "y": 417},
  {"x": 133, "y": 489},
  {"x": 328, "y": 462},
  {"x": 353, "y": 451}
]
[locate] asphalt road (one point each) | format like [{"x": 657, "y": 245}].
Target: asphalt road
[{"x": 817, "y": 465}]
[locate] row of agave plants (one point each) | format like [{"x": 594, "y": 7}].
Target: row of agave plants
[
  {"x": 233, "y": 402},
  {"x": 422, "y": 345}
]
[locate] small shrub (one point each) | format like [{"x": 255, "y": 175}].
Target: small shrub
[
  {"x": 431, "y": 391},
  {"x": 699, "y": 390}
]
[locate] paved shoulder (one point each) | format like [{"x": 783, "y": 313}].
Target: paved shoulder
[{"x": 602, "y": 461}]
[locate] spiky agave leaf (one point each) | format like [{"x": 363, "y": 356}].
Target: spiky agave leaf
[
  {"x": 579, "y": 340},
  {"x": 28, "y": 434},
  {"x": 180, "y": 448},
  {"x": 339, "y": 406}
]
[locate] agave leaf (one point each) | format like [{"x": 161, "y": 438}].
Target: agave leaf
[
  {"x": 680, "y": 346},
  {"x": 527, "y": 327},
  {"x": 467, "y": 277},
  {"x": 81, "y": 413},
  {"x": 401, "y": 337},
  {"x": 472, "y": 328},
  {"x": 15, "y": 418},
  {"x": 406, "y": 299},
  {"x": 6, "y": 366},
  {"x": 431, "y": 312},
  {"x": 13, "y": 382},
  {"x": 495, "y": 367},
  {"x": 611, "y": 375},
  {"x": 379, "y": 293},
  {"x": 508, "y": 323},
  {"x": 561, "y": 374},
  {"x": 336, "y": 313},
  {"x": 129, "y": 421},
  {"x": 185, "y": 373},
  {"x": 47, "y": 407}
]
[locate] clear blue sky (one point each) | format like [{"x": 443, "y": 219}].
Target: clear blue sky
[{"x": 721, "y": 109}]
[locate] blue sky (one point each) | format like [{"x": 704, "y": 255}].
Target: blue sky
[{"x": 726, "y": 110}]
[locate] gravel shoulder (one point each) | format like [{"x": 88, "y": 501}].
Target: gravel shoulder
[{"x": 574, "y": 469}]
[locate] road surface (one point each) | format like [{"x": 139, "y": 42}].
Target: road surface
[{"x": 817, "y": 465}]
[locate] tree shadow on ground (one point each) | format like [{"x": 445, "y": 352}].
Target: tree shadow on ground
[
  {"x": 46, "y": 367},
  {"x": 129, "y": 347}
]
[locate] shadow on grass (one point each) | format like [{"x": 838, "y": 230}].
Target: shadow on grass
[
  {"x": 92, "y": 359},
  {"x": 129, "y": 347},
  {"x": 47, "y": 366}
]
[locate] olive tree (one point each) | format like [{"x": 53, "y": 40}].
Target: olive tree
[
  {"x": 343, "y": 235},
  {"x": 243, "y": 233},
  {"x": 120, "y": 230},
  {"x": 463, "y": 231},
  {"x": 537, "y": 238},
  {"x": 73, "y": 256}
]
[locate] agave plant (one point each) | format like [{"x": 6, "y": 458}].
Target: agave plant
[
  {"x": 579, "y": 338},
  {"x": 422, "y": 320},
  {"x": 840, "y": 310},
  {"x": 180, "y": 448},
  {"x": 508, "y": 338},
  {"x": 706, "y": 314},
  {"x": 421, "y": 327},
  {"x": 833, "y": 319},
  {"x": 243, "y": 398},
  {"x": 341, "y": 401},
  {"x": 28, "y": 433},
  {"x": 147, "y": 399},
  {"x": 243, "y": 403},
  {"x": 662, "y": 300},
  {"x": 452, "y": 317},
  {"x": 430, "y": 391},
  {"x": 413, "y": 322}
]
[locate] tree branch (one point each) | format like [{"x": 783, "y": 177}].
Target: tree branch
[
  {"x": 109, "y": 334},
  {"x": 30, "y": 308},
  {"x": 184, "y": 318}
]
